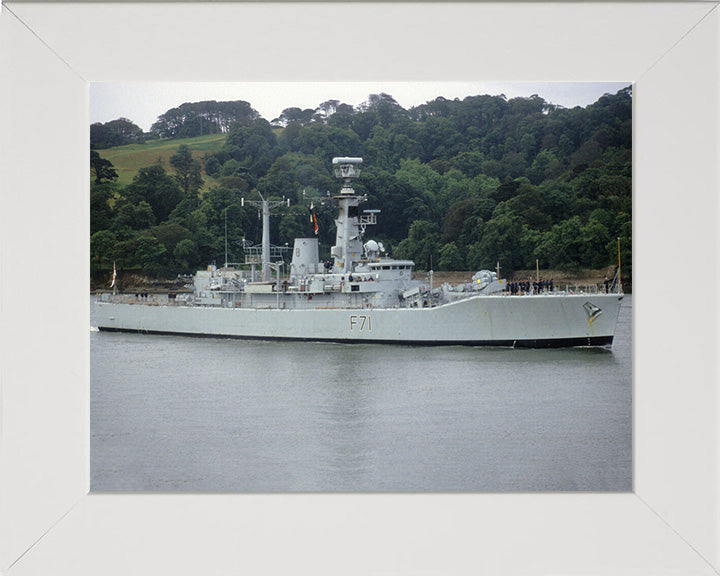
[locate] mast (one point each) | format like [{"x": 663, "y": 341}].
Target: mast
[
  {"x": 350, "y": 224},
  {"x": 266, "y": 206},
  {"x": 265, "y": 240},
  {"x": 619, "y": 268}
]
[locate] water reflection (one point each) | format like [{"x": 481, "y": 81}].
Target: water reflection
[{"x": 174, "y": 413}]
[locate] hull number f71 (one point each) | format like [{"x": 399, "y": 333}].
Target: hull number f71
[{"x": 360, "y": 322}]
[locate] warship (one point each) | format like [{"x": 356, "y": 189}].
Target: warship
[{"x": 364, "y": 296}]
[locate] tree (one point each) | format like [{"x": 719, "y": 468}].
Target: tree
[
  {"x": 186, "y": 254},
  {"x": 156, "y": 187},
  {"x": 294, "y": 224},
  {"x": 423, "y": 184},
  {"x": 212, "y": 165},
  {"x": 150, "y": 254},
  {"x": 103, "y": 169},
  {"x": 421, "y": 245},
  {"x": 327, "y": 109},
  {"x": 101, "y": 213},
  {"x": 131, "y": 217},
  {"x": 455, "y": 217},
  {"x": 254, "y": 146},
  {"x": 594, "y": 238},
  {"x": 501, "y": 242},
  {"x": 170, "y": 235},
  {"x": 102, "y": 244},
  {"x": 343, "y": 116},
  {"x": 386, "y": 109},
  {"x": 546, "y": 165},
  {"x": 561, "y": 246},
  {"x": 293, "y": 172},
  {"x": 587, "y": 153},
  {"x": 294, "y": 116},
  {"x": 470, "y": 162},
  {"x": 187, "y": 170},
  {"x": 450, "y": 258},
  {"x": 197, "y": 118},
  {"x": 115, "y": 133}
]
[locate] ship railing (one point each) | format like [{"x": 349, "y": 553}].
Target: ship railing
[
  {"x": 147, "y": 298},
  {"x": 568, "y": 289},
  {"x": 253, "y": 254},
  {"x": 582, "y": 289},
  {"x": 589, "y": 289}
]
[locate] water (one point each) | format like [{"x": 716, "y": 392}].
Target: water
[{"x": 212, "y": 415}]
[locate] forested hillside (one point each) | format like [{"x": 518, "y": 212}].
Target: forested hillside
[{"x": 461, "y": 184}]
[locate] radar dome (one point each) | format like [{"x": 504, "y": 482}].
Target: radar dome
[{"x": 372, "y": 249}]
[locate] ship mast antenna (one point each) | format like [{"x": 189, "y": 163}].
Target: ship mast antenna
[
  {"x": 266, "y": 206},
  {"x": 349, "y": 223}
]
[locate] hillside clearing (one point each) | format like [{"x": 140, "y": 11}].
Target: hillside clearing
[{"x": 129, "y": 159}]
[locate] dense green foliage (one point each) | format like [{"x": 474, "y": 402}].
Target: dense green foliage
[
  {"x": 199, "y": 118},
  {"x": 115, "y": 133},
  {"x": 461, "y": 184},
  {"x": 101, "y": 168}
]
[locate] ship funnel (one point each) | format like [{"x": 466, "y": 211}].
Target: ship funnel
[{"x": 305, "y": 259}]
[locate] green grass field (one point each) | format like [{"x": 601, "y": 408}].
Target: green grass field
[{"x": 128, "y": 159}]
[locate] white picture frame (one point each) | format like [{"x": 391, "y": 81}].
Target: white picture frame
[{"x": 50, "y": 524}]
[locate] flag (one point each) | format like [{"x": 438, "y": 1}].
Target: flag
[
  {"x": 313, "y": 218},
  {"x": 112, "y": 284}
]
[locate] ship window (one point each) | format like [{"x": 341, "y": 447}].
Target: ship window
[
  {"x": 352, "y": 211},
  {"x": 355, "y": 288}
]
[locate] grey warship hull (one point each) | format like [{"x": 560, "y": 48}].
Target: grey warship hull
[
  {"x": 364, "y": 296},
  {"x": 538, "y": 321}
]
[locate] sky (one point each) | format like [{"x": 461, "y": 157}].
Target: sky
[{"x": 143, "y": 102}]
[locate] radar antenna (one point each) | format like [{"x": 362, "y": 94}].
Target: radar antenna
[{"x": 347, "y": 169}]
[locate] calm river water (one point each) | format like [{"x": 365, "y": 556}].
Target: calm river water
[{"x": 214, "y": 415}]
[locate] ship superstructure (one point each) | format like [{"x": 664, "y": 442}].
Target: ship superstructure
[{"x": 364, "y": 296}]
